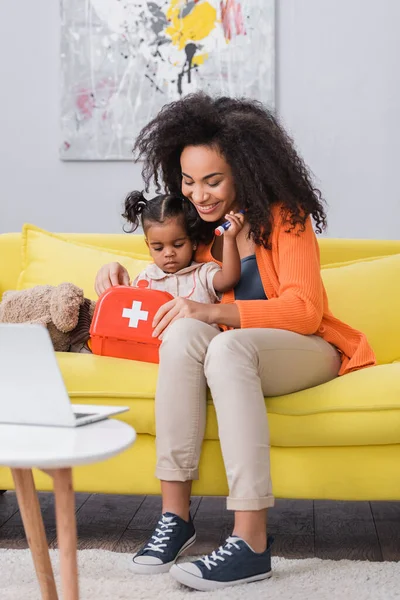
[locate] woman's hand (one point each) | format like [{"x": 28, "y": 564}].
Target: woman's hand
[
  {"x": 180, "y": 308},
  {"x": 110, "y": 275}
]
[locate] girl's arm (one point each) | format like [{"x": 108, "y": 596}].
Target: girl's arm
[{"x": 229, "y": 275}]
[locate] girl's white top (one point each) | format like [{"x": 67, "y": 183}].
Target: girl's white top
[{"x": 194, "y": 282}]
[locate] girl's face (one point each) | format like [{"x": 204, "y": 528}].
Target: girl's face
[
  {"x": 207, "y": 181},
  {"x": 169, "y": 245}
]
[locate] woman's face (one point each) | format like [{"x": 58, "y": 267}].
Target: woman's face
[{"x": 207, "y": 182}]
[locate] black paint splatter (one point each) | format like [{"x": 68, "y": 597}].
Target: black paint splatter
[
  {"x": 188, "y": 8},
  {"x": 190, "y": 51},
  {"x": 154, "y": 83}
]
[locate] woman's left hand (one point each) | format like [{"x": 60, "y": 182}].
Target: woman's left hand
[{"x": 180, "y": 308}]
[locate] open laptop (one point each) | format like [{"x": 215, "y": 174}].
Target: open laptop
[{"x": 32, "y": 390}]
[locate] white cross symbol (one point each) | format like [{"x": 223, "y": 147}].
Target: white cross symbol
[{"x": 135, "y": 314}]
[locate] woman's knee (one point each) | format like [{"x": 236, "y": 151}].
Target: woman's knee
[
  {"x": 184, "y": 334},
  {"x": 227, "y": 348},
  {"x": 181, "y": 329}
]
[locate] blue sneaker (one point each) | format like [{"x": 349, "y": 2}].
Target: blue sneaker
[
  {"x": 232, "y": 564},
  {"x": 171, "y": 537}
]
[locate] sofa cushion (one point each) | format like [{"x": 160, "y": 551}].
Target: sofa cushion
[
  {"x": 339, "y": 250},
  {"x": 358, "y": 409},
  {"x": 49, "y": 259},
  {"x": 361, "y": 408},
  {"x": 92, "y": 379},
  {"x": 366, "y": 295}
]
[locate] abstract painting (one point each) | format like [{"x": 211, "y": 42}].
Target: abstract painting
[{"x": 122, "y": 60}]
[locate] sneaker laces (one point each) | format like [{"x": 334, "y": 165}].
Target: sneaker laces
[
  {"x": 165, "y": 525},
  {"x": 218, "y": 555}
]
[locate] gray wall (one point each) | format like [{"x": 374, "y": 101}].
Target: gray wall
[{"x": 338, "y": 93}]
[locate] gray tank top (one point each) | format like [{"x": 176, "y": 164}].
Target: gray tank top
[{"x": 250, "y": 285}]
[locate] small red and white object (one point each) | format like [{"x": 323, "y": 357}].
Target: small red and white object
[
  {"x": 122, "y": 322},
  {"x": 222, "y": 228}
]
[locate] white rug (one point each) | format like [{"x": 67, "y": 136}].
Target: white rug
[{"x": 106, "y": 576}]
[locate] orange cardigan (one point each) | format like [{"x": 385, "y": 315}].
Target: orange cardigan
[{"x": 297, "y": 300}]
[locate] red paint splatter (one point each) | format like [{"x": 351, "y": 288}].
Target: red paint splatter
[
  {"x": 89, "y": 100},
  {"x": 85, "y": 103},
  {"x": 231, "y": 14},
  {"x": 67, "y": 146}
]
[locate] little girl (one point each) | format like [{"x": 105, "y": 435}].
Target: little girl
[{"x": 171, "y": 226}]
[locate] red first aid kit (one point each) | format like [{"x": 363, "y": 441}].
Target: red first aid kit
[{"x": 122, "y": 323}]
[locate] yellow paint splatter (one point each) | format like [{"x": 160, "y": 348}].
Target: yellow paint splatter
[
  {"x": 199, "y": 59},
  {"x": 196, "y": 26}
]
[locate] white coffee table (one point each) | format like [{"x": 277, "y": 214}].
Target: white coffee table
[{"x": 55, "y": 450}]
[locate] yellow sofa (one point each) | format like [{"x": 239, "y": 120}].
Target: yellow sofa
[{"x": 340, "y": 440}]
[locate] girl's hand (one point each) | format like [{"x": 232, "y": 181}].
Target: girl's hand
[
  {"x": 180, "y": 308},
  {"x": 110, "y": 275},
  {"x": 237, "y": 221}
]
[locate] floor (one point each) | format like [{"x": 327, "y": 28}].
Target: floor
[{"x": 302, "y": 528}]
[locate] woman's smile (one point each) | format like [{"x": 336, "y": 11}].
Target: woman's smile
[{"x": 206, "y": 209}]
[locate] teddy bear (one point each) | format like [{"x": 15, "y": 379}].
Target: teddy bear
[{"x": 62, "y": 309}]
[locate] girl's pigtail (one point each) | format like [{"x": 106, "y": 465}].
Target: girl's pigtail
[{"x": 135, "y": 204}]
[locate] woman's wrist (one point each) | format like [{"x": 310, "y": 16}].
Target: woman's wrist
[{"x": 224, "y": 314}]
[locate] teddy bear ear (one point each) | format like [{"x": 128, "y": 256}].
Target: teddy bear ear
[{"x": 65, "y": 303}]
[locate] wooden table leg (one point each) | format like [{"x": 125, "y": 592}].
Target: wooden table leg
[
  {"x": 34, "y": 529},
  {"x": 66, "y": 532}
]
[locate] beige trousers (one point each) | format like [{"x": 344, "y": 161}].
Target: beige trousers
[{"x": 240, "y": 367}]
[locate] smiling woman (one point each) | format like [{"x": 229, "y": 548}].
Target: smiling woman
[
  {"x": 242, "y": 140},
  {"x": 224, "y": 156},
  {"x": 208, "y": 182}
]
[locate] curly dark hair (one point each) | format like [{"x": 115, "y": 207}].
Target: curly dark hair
[{"x": 266, "y": 167}]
